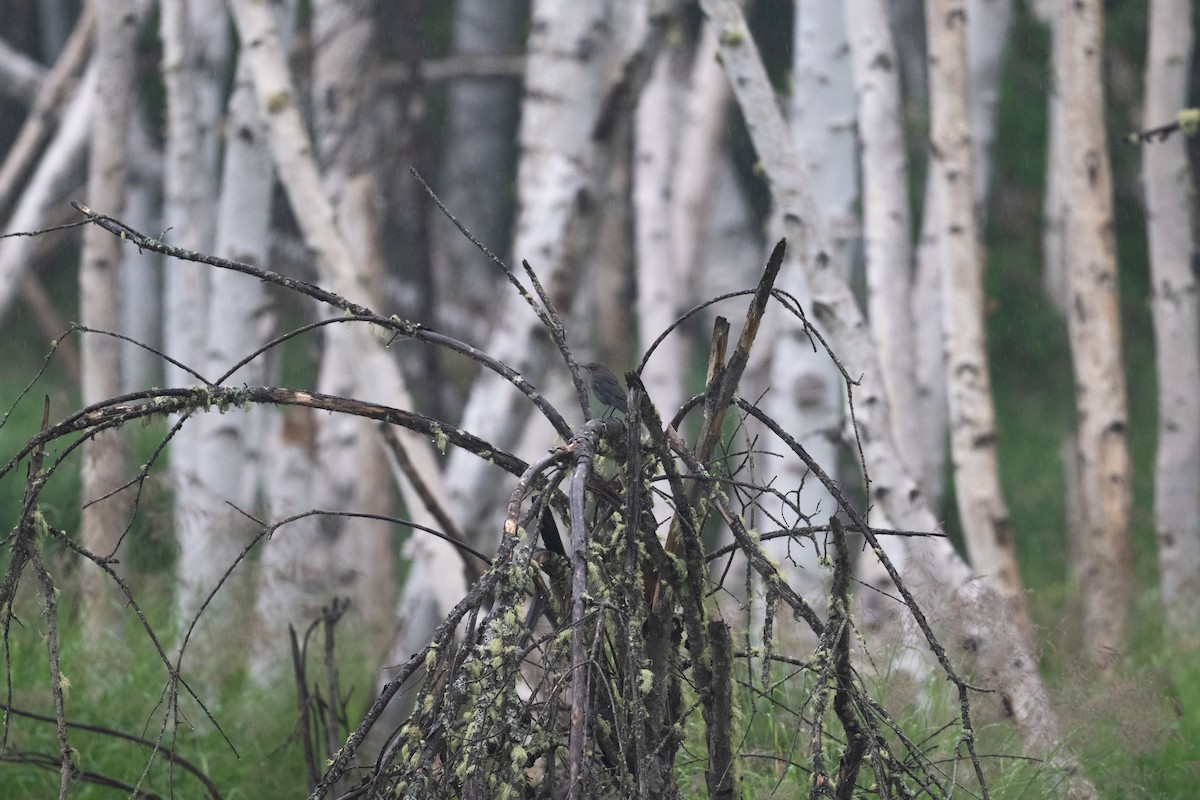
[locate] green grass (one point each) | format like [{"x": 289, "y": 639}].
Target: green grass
[{"x": 121, "y": 687}]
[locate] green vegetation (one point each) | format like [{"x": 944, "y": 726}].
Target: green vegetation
[{"x": 122, "y": 689}]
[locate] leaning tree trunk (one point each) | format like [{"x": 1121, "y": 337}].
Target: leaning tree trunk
[
  {"x": 1170, "y": 221},
  {"x": 1094, "y": 327}
]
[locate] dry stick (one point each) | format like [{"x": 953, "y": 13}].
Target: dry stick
[
  {"x": 401, "y": 327},
  {"x": 583, "y": 448},
  {"x": 170, "y": 755},
  {"x": 158, "y": 402},
  {"x": 709, "y": 648},
  {"x": 909, "y": 600},
  {"x": 24, "y": 547},
  {"x": 49, "y": 593},
  {"x": 302, "y": 705},
  {"x": 723, "y": 382},
  {"x": 720, "y": 776},
  {"x": 397, "y": 451},
  {"x": 843, "y": 705}
]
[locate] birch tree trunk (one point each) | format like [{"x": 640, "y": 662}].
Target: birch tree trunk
[
  {"x": 988, "y": 27},
  {"x": 659, "y": 300},
  {"x": 1094, "y": 327},
  {"x": 481, "y": 123},
  {"x": 981, "y": 507},
  {"x": 1170, "y": 226},
  {"x": 353, "y": 473},
  {"x": 195, "y": 43},
  {"x": 104, "y": 521},
  {"x": 291, "y": 152},
  {"x": 887, "y": 228},
  {"x": 806, "y": 393},
  {"x": 938, "y": 577},
  {"x": 240, "y": 319},
  {"x": 1054, "y": 270},
  {"x": 568, "y": 51},
  {"x": 57, "y": 170}
]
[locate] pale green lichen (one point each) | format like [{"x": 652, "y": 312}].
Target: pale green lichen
[
  {"x": 440, "y": 439},
  {"x": 278, "y": 101},
  {"x": 1189, "y": 121}
]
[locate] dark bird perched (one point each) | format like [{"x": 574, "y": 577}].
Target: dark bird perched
[{"x": 605, "y": 386}]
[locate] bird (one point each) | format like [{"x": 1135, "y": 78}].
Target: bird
[{"x": 605, "y": 386}]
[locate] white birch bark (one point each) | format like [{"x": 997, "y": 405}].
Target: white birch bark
[
  {"x": 1054, "y": 270},
  {"x": 57, "y": 171},
  {"x": 195, "y": 43},
  {"x": 103, "y": 522},
  {"x": 353, "y": 472},
  {"x": 293, "y": 581},
  {"x": 887, "y": 246},
  {"x": 988, "y": 27},
  {"x": 239, "y": 320},
  {"x": 984, "y": 515},
  {"x": 568, "y": 50},
  {"x": 699, "y": 166},
  {"x": 660, "y": 298},
  {"x": 481, "y": 122},
  {"x": 380, "y": 379},
  {"x": 887, "y": 228},
  {"x": 52, "y": 94},
  {"x": 1094, "y": 328},
  {"x": 1170, "y": 221},
  {"x": 938, "y": 576},
  {"x": 195, "y": 48},
  {"x": 806, "y": 389}
]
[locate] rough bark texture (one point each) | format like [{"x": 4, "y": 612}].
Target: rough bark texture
[
  {"x": 1094, "y": 326},
  {"x": 981, "y": 507},
  {"x": 104, "y": 458},
  {"x": 1170, "y": 220}
]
